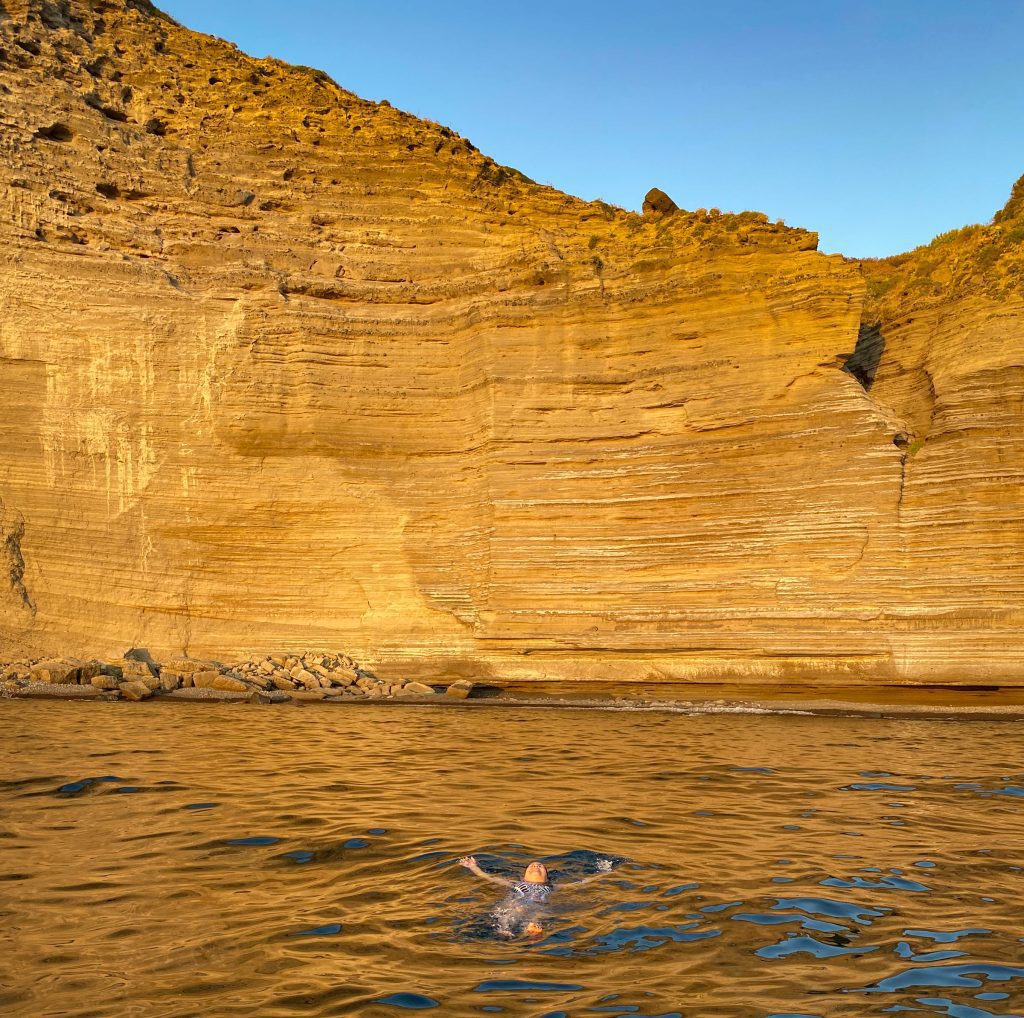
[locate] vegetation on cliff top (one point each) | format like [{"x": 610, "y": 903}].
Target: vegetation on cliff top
[{"x": 987, "y": 260}]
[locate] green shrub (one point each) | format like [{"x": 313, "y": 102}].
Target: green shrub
[{"x": 987, "y": 257}]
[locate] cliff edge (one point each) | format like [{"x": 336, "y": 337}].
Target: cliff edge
[{"x": 286, "y": 368}]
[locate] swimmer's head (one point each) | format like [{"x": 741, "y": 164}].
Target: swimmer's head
[
  {"x": 533, "y": 930},
  {"x": 536, "y": 873}
]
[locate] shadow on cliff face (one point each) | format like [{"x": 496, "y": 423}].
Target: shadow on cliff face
[{"x": 863, "y": 362}]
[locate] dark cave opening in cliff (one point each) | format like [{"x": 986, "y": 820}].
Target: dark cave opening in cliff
[{"x": 867, "y": 354}]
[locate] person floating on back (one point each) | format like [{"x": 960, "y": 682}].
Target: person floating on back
[{"x": 522, "y": 909}]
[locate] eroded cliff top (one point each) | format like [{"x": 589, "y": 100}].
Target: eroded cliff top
[{"x": 127, "y": 65}]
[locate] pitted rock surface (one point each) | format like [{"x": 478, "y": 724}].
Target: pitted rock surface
[{"x": 285, "y": 367}]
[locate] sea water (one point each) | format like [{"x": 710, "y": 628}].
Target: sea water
[{"x": 280, "y": 861}]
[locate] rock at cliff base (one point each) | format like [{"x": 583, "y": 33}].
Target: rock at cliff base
[
  {"x": 187, "y": 665},
  {"x": 135, "y": 690},
  {"x": 61, "y": 690},
  {"x": 58, "y": 671},
  {"x": 229, "y": 684},
  {"x": 142, "y": 655},
  {"x": 169, "y": 681},
  {"x": 217, "y": 695},
  {"x": 417, "y": 689},
  {"x": 459, "y": 689},
  {"x": 306, "y": 679},
  {"x": 132, "y": 669},
  {"x": 204, "y": 679}
]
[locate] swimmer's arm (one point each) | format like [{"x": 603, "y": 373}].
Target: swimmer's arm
[
  {"x": 471, "y": 864},
  {"x": 604, "y": 867}
]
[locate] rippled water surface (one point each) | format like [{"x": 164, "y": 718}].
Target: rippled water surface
[{"x": 216, "y": 860}]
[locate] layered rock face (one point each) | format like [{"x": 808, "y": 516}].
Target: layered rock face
[{"x": 285, "y": 368}]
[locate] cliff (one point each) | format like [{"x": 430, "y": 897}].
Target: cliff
[{"x": 283, "y": 368}]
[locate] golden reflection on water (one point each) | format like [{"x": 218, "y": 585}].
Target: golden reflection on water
[{"x": 285, "y": 861}]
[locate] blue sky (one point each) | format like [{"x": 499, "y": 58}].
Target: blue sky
[{"x": 878, "y": 123}]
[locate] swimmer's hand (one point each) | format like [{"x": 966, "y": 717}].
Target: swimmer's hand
[
  {"x": 473, "y": 866},
  {"x": 604, "y": 866}
]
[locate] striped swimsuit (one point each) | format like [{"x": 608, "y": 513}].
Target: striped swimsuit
[{"x": 537, "y": 894}]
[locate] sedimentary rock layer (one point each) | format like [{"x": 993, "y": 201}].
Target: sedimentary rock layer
[{"x": 282, "y": 367}]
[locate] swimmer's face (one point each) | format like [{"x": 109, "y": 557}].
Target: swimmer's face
[{"x": 536, "y": 873}]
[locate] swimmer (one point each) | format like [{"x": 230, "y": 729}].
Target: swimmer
[{"x": 527, "y": 897}]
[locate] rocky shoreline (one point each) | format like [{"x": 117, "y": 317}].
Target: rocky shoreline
[
  {"x": 270, "y": 678},
  {"x": 329, "y": 677}
]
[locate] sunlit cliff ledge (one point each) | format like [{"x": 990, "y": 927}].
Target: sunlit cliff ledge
[{"x": 281, "y": 367}]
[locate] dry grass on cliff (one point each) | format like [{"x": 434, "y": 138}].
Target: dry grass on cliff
[{"x": 987, "y": 260}]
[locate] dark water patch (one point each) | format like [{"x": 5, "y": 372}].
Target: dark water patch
[
  {"x": 722, "y": 906},
  {"x": 797, "y": 944},
  {"x": 973, "y": 974},
  {"x": 125, "y": 932},
  {"x": 947, "y": 1007},
  {"x": 299, "y": 856},
  {"x": 946, "y": 937},
  {"x": 327, "y": 930},
  {"x": 634, "y": 939},
  {"x": 430, "y": 857},
  {"x": 73, "y": 788},
  {"x": 201, "y": 805},
  {"x": 627, "y": 906},
  {"x": 780, "y": 919},
  {"x": 356, "y": 843},
  {"x": 409, "y": 1001},
  {"x": 679, "y": 889},
  {"x": 877, "y": 786},
  {"x": 896, "y": 883},
  {"x": 256, "y": 841},
  {"x": 832, "y": 908}
]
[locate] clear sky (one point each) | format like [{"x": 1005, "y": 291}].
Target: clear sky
[{"x": 878, "y": 123}]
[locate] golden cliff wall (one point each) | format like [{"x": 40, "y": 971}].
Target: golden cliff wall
[{"x": 284, "y": 368}]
